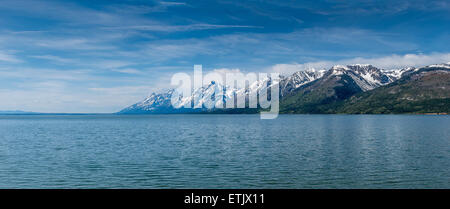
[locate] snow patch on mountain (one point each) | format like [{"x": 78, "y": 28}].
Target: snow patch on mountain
[
  {"x": 299, "y": 79},
  {"x": 366, "y": 76},
  {"x": 445, "y": 65},
  {"x": 395, "y": 74}
]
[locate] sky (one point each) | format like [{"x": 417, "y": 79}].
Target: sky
[{"x": 101, "y": 56}]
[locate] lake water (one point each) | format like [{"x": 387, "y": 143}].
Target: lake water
[{"x": 225, "y": 151}]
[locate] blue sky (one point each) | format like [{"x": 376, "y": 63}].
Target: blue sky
[{"x": 100, "y": 56}]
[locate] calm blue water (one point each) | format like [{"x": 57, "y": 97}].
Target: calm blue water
[{"x": 225, "y": 151}]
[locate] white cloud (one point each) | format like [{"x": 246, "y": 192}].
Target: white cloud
[
  {"x": 8, "y": 58},
  {"x": 387, "y": 62},
  {"x": 172, "y": 3},
  {"x": 73, "y": 44},
  {"x": 127, "y": 71},
  {"x": 177, "y": 28},
  {"x": 53, "y": 58},
  {"x": 224, "y": 71},
  {"x": 408, "y": 60},
  {"x": 287, "y": 69},
  {"x": 110, "y": 64},
  {"x": 53, "y": 97},
  {"x": 46, "y": 74},
  {"x": 122, "y": 90}
]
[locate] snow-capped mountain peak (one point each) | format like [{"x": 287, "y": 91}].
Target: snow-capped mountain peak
[
  {"x": 366, "y": 76},
  {"x": 444, "y": 65},
  {"x": 298, "y": 79}
]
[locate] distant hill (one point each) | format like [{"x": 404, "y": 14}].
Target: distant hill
[
  {"x": 424, "y": 90},
  {"x": 15, "y": 112}
]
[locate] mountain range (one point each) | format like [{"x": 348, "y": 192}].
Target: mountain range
[{"x": 353, "y": 89}]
